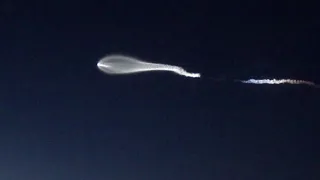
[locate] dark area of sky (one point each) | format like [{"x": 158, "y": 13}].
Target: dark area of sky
[{"x": 62, "y": 118}]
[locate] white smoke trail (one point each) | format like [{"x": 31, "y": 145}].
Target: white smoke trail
[
  {"x": 280, "y": 81},
  {"x": 120, "y": 64}
]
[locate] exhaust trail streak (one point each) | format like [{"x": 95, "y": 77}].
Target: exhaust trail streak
[{"x": 279, "y": 81}]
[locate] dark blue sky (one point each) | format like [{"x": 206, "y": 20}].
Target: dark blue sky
[{"x": 61, "y": 118}]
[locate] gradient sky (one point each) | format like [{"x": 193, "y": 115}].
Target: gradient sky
[{"x": 61, "y": 118}]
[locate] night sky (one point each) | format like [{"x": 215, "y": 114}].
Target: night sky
[{"x": 63, "y": 119}]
